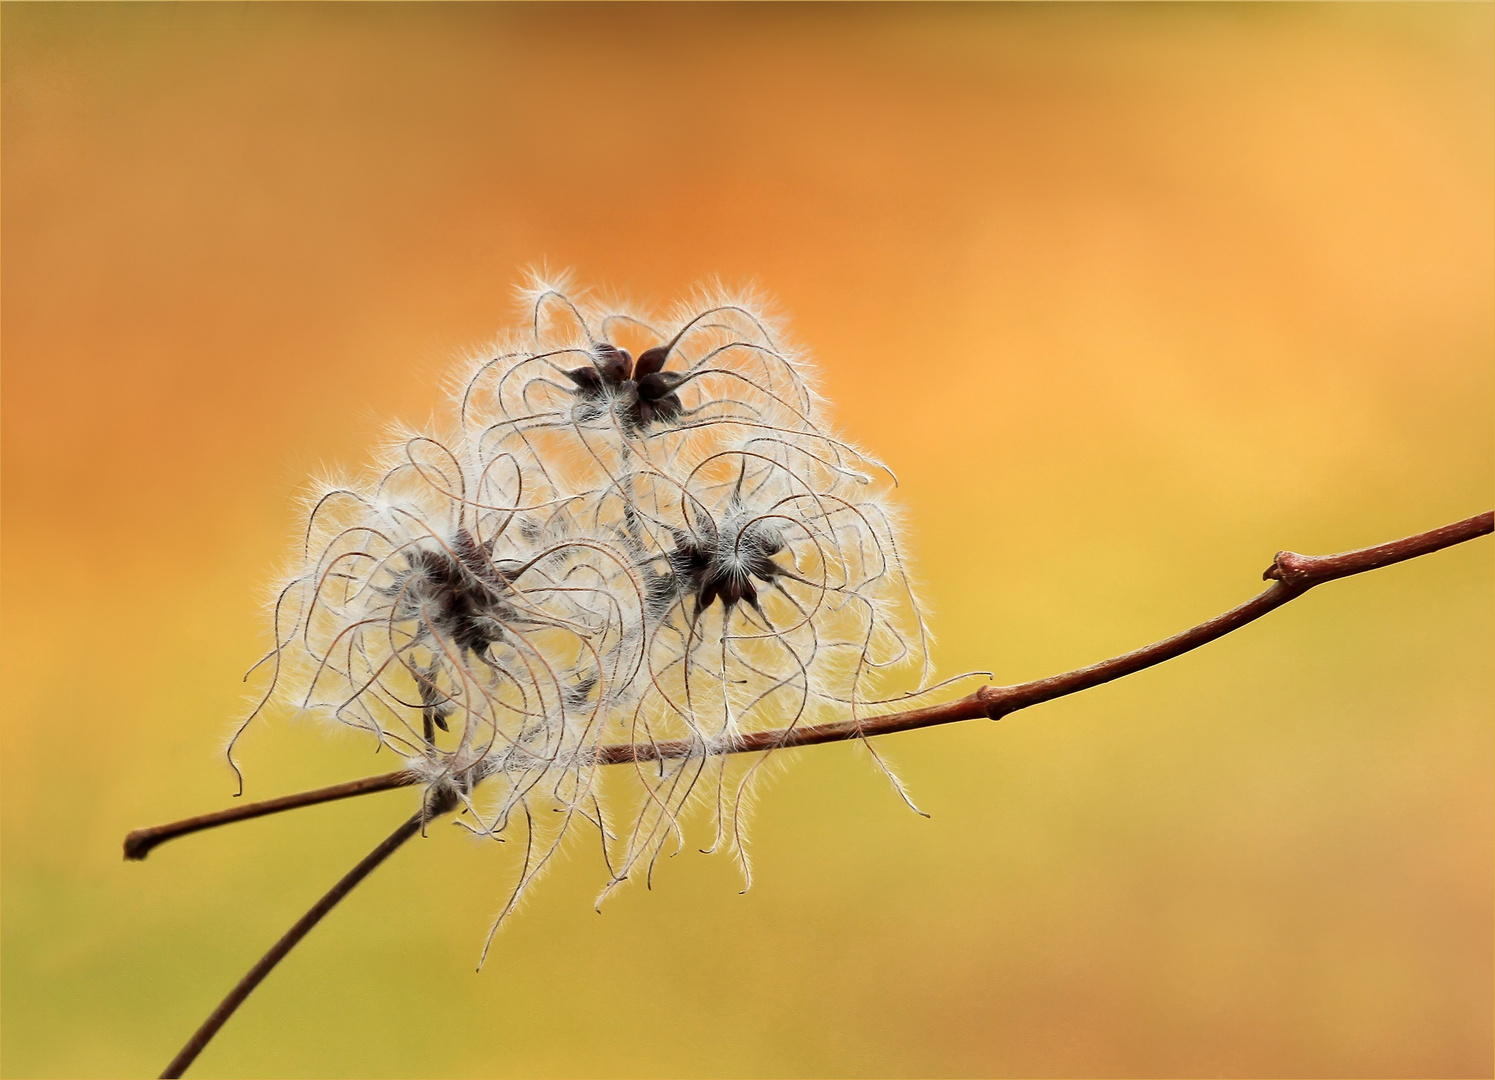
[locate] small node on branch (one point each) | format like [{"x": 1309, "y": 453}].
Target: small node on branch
[
  {"x": 1290, "y": 568},
  {"x": 995, "y": 701}
]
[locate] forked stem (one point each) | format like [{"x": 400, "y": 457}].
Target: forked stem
[
  {"x": 435, "y": 805},
  {"x": 1291, "y": 576}
]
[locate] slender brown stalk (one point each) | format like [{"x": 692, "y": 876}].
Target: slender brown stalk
[
  {"x": 438, "y": 804},
  {"x": 1291, "y": 574},
  {"x": 140, "y": 842}
]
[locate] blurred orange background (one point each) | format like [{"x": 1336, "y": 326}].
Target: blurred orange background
[{"x": 1130, "y": 297}]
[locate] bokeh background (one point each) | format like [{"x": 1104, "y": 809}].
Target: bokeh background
[{"x": 1130, "y": 297}]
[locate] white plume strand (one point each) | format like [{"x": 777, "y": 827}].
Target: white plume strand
[{"x": 634, "y": 530}]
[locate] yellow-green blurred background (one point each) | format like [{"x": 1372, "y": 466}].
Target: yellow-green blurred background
[{"x": 1130, "y": 297}]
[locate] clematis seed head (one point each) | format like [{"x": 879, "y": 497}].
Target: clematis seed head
[{"x": 594, "y": 550}]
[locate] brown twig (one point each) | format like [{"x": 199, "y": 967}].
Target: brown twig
[
  {"x": 439, "y": 803},
  {"x": 1291, "y": 576},
  {"x": 140, "y": 842}
]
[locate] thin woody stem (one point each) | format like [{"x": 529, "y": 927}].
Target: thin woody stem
[
  {"x": 1291, "y": 576},
  {"x": 140, "y": 842},
  {"x": 440, "y": 803}
]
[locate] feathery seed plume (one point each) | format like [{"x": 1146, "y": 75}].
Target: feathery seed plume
[{"x": 604, "y": 548}]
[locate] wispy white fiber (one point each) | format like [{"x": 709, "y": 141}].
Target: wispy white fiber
[{"x": 603, "y": 548}]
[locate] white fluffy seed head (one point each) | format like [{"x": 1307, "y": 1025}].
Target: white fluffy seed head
[{"x": 633, "y": 531}]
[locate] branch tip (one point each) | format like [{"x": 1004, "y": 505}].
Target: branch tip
[{"x": 138, "y": 845}]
